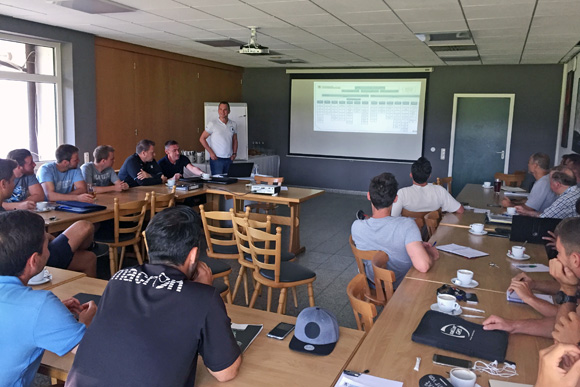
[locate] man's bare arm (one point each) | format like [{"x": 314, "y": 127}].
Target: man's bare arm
[
  {"x": 48, "y": 187},
  {"x": 36, "y": 193},
  {"x": 536, "y": 327},
  {"x": 422, "y": 260},
  {"x": 203, "y": 141},
  {"x": 229, "y": 373}
]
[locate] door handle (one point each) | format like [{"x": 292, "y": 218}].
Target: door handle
[{"x": 502, "y": 154}]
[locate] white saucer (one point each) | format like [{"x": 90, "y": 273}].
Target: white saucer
[
  {"x": 455, "y": 312},
  {"x": 478, "y": 233},
  {"x": 476, "y": 385},
  {"x": 490, "y": 187},
  {"x": 523, "y": 258},
  {"x": 47, "y": 209},
  {"x": 47, "y": 278},
  {"x": 473, "y": 283},
  {"x": 506, "y": 214}
]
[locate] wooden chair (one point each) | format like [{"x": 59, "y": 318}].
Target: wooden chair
[
  {"x": 384, "y": 280},
  {"x": 445, "y": 180},
  {"x": 274, "y": 273},
  {"x": 427, "y": 221},
  {"x": 361, "y": 256},
  {"x": 161, "y": 202},
  {"x": 245, "y": 254},
  {"x": 269, "y": 208},
  {"x": 514, "y": 180},
  {"x": 364, "y": 312},
  {"x": 222, "y": 288},
  {"x": 127, "y": 225}
]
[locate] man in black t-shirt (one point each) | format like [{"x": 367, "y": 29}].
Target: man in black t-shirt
[
  {"x": 154, "y": 319},
  {"x": 141, "y": 168},
  {"x": 175, "y": 163}
]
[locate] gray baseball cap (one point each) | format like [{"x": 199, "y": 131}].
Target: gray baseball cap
[{"x": 316, "y": 331}]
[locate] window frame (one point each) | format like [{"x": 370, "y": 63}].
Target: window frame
[{"x": 55, "y": 79}]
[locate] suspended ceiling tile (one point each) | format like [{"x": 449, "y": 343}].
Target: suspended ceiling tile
[
  {"x": 507, "y": 9},
  {"x": 285, "y": 9},
  {"x": 313, "y": 20},
  {"x": 346, "y": 6},
  {"x": 233, "y": 11},
  {"x": 371, "y": 17},
  {"x": 183, "y": 13},
  {"x": 438, "y": 26}
]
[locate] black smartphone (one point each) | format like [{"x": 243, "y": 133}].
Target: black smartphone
[
  {"x": 281, "y": 330},
  {"x": 451, "y": 361},
  {"x": 471, "y": 298}
]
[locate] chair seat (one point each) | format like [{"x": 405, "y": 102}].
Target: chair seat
[
  {"x": 108, "y": 236},
  {"x": 289, "y": 272},
  {"x": 219, "y": 249},
  {"x": 220, "y": 286},
  {"x": 285, "y": 256},
  {"x": 217, "y": 266}
]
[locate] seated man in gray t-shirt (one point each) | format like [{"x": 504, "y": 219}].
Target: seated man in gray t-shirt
[
  {"x": 399, "y": 237},
  {"x": 100, "y": 173}
]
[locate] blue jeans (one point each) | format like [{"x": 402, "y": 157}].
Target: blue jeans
[{"x": 220, "y": 166}]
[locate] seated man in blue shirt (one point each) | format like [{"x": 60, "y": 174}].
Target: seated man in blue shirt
[
  {"x": 141, "y": 168},
  {"x": 156, "y": 318},
  {"x": 174, "y": 163},
  {"x": 32, "y": 320},
  {"x": 27, "y": 189},
  {"x": 62, "y": 179},
  {"x": 399, "y": 237}
]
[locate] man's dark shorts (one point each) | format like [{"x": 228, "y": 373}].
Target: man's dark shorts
[{"x": 60, "y": 252}]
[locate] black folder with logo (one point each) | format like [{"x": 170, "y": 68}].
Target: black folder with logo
[
  {"x": 532, "y": 229},
  {"x": 78, "y": 207},
  {"x": 458, "y": 335}
]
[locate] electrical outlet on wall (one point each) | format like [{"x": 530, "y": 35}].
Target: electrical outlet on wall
[{"x": 442, "y": 153}]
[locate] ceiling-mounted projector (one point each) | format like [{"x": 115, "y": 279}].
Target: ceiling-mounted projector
[{"x": 253, "y": 48}]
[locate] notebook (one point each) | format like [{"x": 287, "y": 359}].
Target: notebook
[
  {"x": 455, "y": 334},
  {"x": 531, "y": 229},
  {"x": 240, "y": 169}
]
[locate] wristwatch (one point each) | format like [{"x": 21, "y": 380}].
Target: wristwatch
[{"x": 562, "y": 298}]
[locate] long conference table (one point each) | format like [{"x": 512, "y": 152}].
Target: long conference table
[
  {"x": 292, "y": 198},
  {"x": 388, "y": 351},
  {"x": 265, "y": 362}
]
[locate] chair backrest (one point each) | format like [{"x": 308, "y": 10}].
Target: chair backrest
[
  {"x": 268, "y": 180},
  {"x": 128, "y": 217},
  {"x": 272, "y": 255},
  {"x": 241, "y": 224},
  {"x": 361, "y": 255},
  {"x": 445, "y": 180},
  {"x": 384, "y": 280},
  {"x": 427, "y": 221},
  {"x": 364, "y": 312},
  {"x": 514, "y": 180},
  {"x": 217, "y": 234},
  {"x": 161, "y": 202}
]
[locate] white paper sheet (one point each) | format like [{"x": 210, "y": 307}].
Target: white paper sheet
[
  {"x": 532, "y": 267},
  {"x": 364, "y": 380},
  {"x": 463, "y": 251}
]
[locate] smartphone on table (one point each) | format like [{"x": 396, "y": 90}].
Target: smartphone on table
[
  {"x": 281, "y": 330},
  {"x": 451, "y": 361}
]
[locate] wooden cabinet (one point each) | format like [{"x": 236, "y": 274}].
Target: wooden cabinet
[{"x": 147, "y": 93}]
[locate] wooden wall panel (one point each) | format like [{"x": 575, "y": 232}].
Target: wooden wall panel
[
  {"x": 158, "y": 94},
  {"x": 116, "y": 101}
]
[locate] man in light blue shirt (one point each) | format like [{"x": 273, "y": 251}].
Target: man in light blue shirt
[
  {"x": 541, "y": 195},
  {"x": 32, "y": 320},
  {"x": 62, "y": 180},
  {"x": 399, "y": 237}
]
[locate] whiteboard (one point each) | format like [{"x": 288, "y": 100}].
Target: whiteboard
[{"x": 238, "y": 114}]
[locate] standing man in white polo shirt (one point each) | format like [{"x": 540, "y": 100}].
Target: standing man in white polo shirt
[{"x": 223, "y": 140}]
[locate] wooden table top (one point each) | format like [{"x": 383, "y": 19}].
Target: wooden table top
[
  {"x": 489, "y": 277},
  {"x": 265, "y": 360},
  {"x": 388, "y": 351},
  {"x": 477, "y": 196},
  {"x": 60, "y": 220},
  {"x": 59, "y": 277}
]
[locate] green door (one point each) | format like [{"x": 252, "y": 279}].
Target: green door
[{"x": 481, "y": 146}]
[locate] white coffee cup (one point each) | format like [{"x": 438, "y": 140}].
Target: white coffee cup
[
  {"x": 476, "y": 227},
  {"x": 447, "y": 303},
  {"x": 462, "y": 377},
  {"x": 39, "y": 277},
  {"x": 511, "y": 210},
  {"x": 41, "y": 206},
  {"x": 464, "y": 276},
  {"x": 205, "y": 176},
  {"x": 487, "y": 184},
  {"x": 171, "y": 182},
  {"x": 518, "y": 251}
]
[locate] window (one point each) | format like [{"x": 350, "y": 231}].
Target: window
[{"x": 30, "y": 96}]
